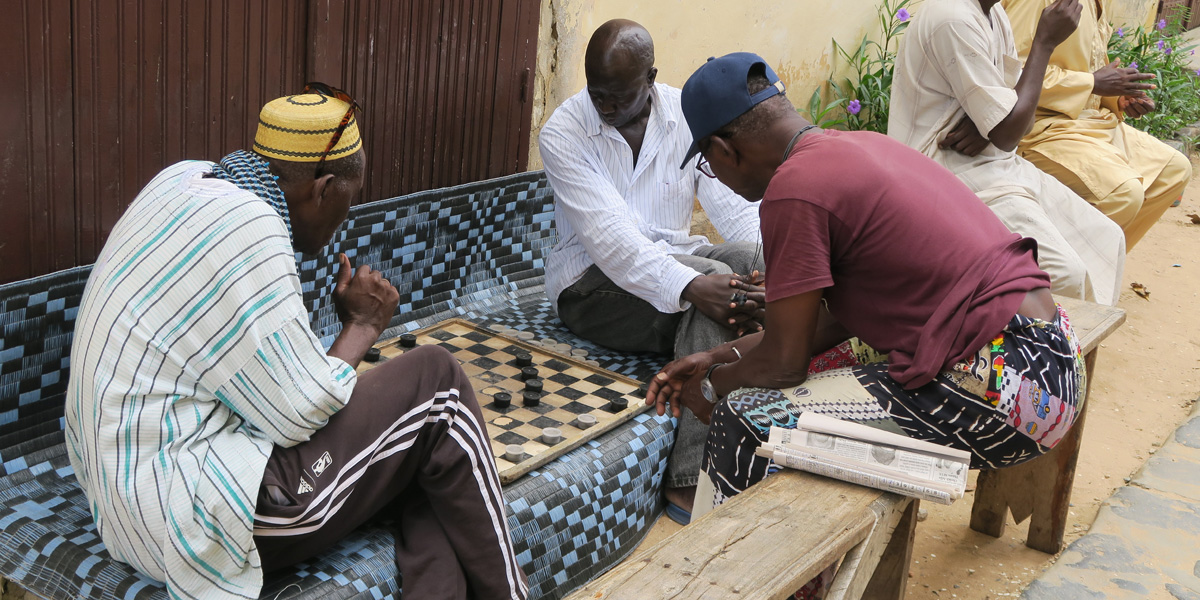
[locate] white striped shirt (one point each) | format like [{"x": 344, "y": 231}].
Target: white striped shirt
[
  {"x": 192, "y": 358},
  {"x": 629, "y": 219}
]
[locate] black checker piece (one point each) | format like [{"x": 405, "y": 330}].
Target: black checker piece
[{"x": 563, "y": 379}]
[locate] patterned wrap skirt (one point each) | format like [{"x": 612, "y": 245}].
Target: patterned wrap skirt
[{"x": 1010, "y": 402}]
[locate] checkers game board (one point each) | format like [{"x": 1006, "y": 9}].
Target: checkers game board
[{"x": 576, "y": 402}]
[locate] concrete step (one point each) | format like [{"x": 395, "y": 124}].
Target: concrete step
[{"x": 1146, "y": 538}]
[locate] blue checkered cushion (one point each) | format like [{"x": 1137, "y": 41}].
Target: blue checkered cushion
[{"x": 474, "y": 251}]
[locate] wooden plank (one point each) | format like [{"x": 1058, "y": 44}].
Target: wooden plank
[
  {"x": 858, "y": 570},
  {"x": 890, "y": 579},
  {"x": 764, "y": 543},
  {"x": 1040, "y": 488},
  {"x": 1092, "y": 322},
  {"x": 1050, "y": 508}
]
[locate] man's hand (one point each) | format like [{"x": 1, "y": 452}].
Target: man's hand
[
  {"x": 965, "y": 137},
  {"x": 363, "y": 297},
  {"x": 750, "y": 300},
  {"x": 1115, "y": 80},
  {"x": 1136, "y": 107},
  {"x": 678, "y": 385},
  {"x": 716, "y": 297},
  {"x": 1058, "y": 22}
]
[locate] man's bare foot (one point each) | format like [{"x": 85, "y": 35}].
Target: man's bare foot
[{"x": 683, "y": 497}]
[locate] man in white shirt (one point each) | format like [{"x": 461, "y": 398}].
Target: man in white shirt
[
  {"x": 959, "y": 95},
  {"x": 626, "y": 274}
]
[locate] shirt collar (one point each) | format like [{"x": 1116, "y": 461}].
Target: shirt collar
[{"x": 659, "y": 112}]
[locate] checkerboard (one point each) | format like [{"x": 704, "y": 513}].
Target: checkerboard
[{"x": 573, "y": 385}]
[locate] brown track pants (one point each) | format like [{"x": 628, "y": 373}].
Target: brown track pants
[{"x": 411, "y": 442}]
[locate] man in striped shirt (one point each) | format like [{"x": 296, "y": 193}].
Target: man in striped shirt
[
  {"x": 213, "y": 435},
  {"x": 626, "y": 274}
]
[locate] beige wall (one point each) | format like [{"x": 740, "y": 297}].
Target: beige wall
[
  {"x": 794, "y": 36},
  {"x": 1132, "y": 12}
]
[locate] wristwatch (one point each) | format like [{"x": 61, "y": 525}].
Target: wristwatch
[{"x": 706, "y": 387}]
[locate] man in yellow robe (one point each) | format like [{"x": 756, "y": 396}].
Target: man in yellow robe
[{"x": 1079, "y": 135}]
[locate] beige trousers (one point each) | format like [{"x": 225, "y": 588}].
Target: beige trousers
[{"x": 1137, "y": 203}]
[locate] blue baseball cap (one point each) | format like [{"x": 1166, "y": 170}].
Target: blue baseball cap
[{"x": 716, "y": 94}]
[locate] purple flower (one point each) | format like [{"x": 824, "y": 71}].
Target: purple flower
[
  {"x": 1132, "y": 65},
  {"x": 1162, "y": 24},
  {"x": 1120, "y": 32},
  {"x": 854, "y": 107},
  {"x": 1193, "y": 52},
  {"x": 1168, "y": 50},
  {"x": 1197, "y": 72},
  {"x": 902, "y": 15},
  {"x": 1161, "y": 44}
]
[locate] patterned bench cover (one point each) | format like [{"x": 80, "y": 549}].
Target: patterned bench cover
[{"x": 474, "y": 251}]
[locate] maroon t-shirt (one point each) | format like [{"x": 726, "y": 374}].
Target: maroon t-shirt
[{"x": 915, "y": 264}]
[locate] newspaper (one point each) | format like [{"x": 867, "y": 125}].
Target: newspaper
[{"x": 870, "y": 457}]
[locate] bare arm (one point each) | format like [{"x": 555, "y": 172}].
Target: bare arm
[
  {"x": 777, "y": 357},
  {"x": 1058, "y": 21},
  {"x": 781, "y": 358}
]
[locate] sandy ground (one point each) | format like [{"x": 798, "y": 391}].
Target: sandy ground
[{"x": 1147, "y": 378}]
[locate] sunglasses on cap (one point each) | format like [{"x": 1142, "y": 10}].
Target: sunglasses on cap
[{"x": 316, "y": 87}]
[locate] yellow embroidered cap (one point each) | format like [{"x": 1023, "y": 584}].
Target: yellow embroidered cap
[{"x": 298, "y": 128}]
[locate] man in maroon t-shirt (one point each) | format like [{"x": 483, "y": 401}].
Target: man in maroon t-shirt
[{"x": 906, "y": 258}]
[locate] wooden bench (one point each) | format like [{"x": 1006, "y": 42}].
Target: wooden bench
[
  {"x": 1041, "y": 488},
  {"x": 770, "y": 540}
]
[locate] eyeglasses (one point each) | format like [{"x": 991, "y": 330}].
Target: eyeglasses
[
  {"x": 703, "y": 165},
  {"x": 331, "y": 92}
]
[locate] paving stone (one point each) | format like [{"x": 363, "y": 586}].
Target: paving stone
[
  {"x": 1189, "y": 434},
  {"x": 1149, "y": 509},
  {"x": 1131, "y": 586},
  {"x": 1182, "y": 593},
  {"x": 1171, "y": 470},
  {"x": 1146, "y": 537},
  {"x": 1066, "y": 590},
  {"x": 1105, "y": 553}
]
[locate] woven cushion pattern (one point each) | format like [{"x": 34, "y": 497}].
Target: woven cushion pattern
[{"x": 475, "y": 251}]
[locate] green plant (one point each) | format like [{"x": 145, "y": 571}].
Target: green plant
[
  {"x": 861, "y": 101},
  {"x": 1161, "y": 51}
]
